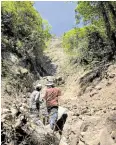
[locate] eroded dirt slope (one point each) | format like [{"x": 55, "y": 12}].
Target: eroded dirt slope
[{"x": 88, "y": 122}]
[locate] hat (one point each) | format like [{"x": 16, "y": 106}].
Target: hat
[
  {"x": 50, "y": 83},
  {"x": 38, "y": 86}
]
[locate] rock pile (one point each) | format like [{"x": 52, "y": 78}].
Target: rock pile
[{"x": 18, "y": 128}]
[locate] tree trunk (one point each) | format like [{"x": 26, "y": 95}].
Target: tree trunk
[
  {"x": 113, "y": 11},
  {"x": 108, "y": 27},
  {"x": 106, "y": 19},
  {"x": 113, "y": 35}
]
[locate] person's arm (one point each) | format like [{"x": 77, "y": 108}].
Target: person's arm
[
  {"x": 59, "y": 92},
  {"x": 59, "y": 97},
  {"x": 37, "y": 97},
  {"x": 37, "y": 100},
  {"x": 45, "y": 96}
]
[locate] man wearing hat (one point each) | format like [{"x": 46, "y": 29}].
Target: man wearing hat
[
  {"x": 35, "y": 99},
  {"x": 51, "y": 97}
]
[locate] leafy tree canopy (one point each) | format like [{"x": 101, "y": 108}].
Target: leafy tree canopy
[
  {"x": 24, "y": 32},
  {"x": 96, "y": 40}
]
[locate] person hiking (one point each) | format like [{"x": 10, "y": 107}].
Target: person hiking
[
  {"x": 35, "y": 99},
  {"x": 51, "y": 97}
]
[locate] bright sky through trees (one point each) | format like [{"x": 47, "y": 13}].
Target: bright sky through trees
[{"x": 60, "y": 15}]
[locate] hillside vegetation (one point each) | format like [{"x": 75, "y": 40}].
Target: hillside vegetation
[
  {"x": 24, "y": 37},
  {"x": 95, "y": 41}
]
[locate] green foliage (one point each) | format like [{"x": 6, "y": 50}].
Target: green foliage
[
  {"x": 47, "y": 28},
  {"x": 24, "y": 32},
  {"x": 23, "y": 20},
  {"x": 95, "y": 42},
  {"x": 89, "y": 48},
  {"x": 97, "y": 13},
  {"x": 75, "y": 37},
  {"x": 69, "y": 40}
]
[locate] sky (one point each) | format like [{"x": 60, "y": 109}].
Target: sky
[{"x": 59, "y": 14}]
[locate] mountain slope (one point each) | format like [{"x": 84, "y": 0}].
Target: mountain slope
[
  {"x": 91, "y": 111},
  {"x": 88, "y": 111}
]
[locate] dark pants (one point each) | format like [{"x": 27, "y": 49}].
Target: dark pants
[{"x": 38, "y": 106}]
